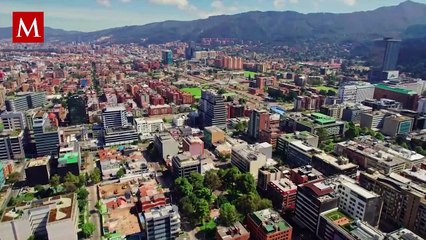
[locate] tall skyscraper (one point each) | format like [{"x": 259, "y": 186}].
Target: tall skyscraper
[
  {"x": 259, "y": 120},
  {"x": 114, "y": 117},
  {"x": 46, "y": 136},
  {"x": 190, "y": 50},
  {"x": 167, "y": 57},
  {"x": 77, "y": 110},
  {"x": 212, "y": 109},
  {"x": 384, "y": 57}
]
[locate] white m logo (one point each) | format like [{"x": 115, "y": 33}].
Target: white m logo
[{"x": 27, "y": 31}]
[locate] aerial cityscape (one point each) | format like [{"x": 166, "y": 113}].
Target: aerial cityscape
[{"x": 222, "y": 119}]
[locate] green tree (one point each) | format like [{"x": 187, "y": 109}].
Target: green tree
[
  {"x": 95, "y": 177},
  {"x": 352, "y": 132},
  {"x": 82, "y": 193},
  {"x": 264, "y": 204},
  {"x": 70, "y": 187},
  {"x": 182, "y": 186},
  {"x": 186, "y": 206},
  {"x": 228, "y": 214},
  {"x": 204, "y": 193},
  {"x": 322, "y": 134},
  {"x": 212, "y": 180},
  {"x": 71, "y": 178},
  {"x": 221, "y": 91},
  {"x": 418, "y": 149},
  {"x": 242, "y": 101},
  {"x": 323, "y": 92},
  {"x": 39, "y": 188},
  {"x": 88, "y": 229},
  {"x": 196, "y": 180},
  {"x": 32, "y": 237},
  {"x": 230, "y": 177},
  {"x": 331, "y": 93},
  {"x": 379, "y": 136},
  {"x": 82, "y": 180},
  {"x": 121, "y": 172},
  {"x": 201, "y": 209},
  {"x": 247, "y": 203},
  {"x": 13, "y": 177},
  {"x": 404, "y": 145},
  {"x": 246, "y": 183},
  {"x": 55, "y": 180}
]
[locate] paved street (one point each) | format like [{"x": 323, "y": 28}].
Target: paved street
[{"x": 94, "y": 215}]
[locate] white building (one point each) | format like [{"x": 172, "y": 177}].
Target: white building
[
  {"x": 356, "y": 92},
  {"x": 358, "y": 202},
  {"x": 55, "y": 218},
  {"x": 422, "y": 106},
  {"x": 146, "y": 127},
  {"x": 248, "y": 159}
]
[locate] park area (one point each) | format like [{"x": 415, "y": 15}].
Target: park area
[
  {"x": 325, "y": 88},
  {"x": 249, "y": 74},
  {"x": 196, "y": 92}
]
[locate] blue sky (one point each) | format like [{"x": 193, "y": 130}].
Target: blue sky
[{"x": 89, "y": 15}]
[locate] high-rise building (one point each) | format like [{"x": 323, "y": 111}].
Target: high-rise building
[
  {"x": 212, "y": 109},
  {"x": 190, "y": 50},
  {"x": 355, "y": 92},
  {"x": 330, "y": 165},
  {"x": 167, "y": 57},
  {"x": 184, "y": 164},
  {"x": 77, "y": 110},
  {"x": 336, "y": 224},
  {"x": 13, "y": 120},
  {"x": 396, "y": 124},
  {"x": 384, "y": 57},
  {"x": 248, "y": 159},
  {"x": 114, "y": 117},
  {"x": 404, "y": 202},
  {"x": 46, "y": 136},
  {"x": 259, "y": 120},
  {"x": 385, "y": 54},
  {"x": 314, "y": 198},
  {"x": 37, "y": 171},
  {"x": 267, "y": 224},
  {"x": 11, "y": 145},
  {"x": 161, "y": 222},
  {"x": 24, "y": 101},
  {"x": 52, "y": 218},
  {"x": 358, "y": 202},
  {"x": 166, "y": 145}
]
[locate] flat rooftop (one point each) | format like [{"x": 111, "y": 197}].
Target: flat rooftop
[
  {"x": 270, "y": 220},
  {"x": 232, "y": 232},
  {"x": 338, "y": 162},
  {"x": 123, "y": 220},
  {"x": 69, "y": 158},
  {"x": 36, "y": 162}
]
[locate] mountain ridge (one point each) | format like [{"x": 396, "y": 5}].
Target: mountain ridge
[{"x": 270, "y": 26}]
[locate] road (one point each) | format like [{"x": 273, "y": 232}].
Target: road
[{"x": 93, "y": 212}]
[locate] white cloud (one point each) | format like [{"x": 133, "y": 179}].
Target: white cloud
[
  {"x": 279, "y": 3},
  {"x": 181, "y": 4},
  {"x": 125, "y": 1},
  {"x": 294, "y": 1},
  {"x": 106, "y": 3},
  {"x": 350, "y": 2}
]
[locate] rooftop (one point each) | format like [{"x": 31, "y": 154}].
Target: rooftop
[
  {"x": 398, "y": 90},
  {"x": 40, "y": 161},
  {"x": 59, "y": 208},
  {"x": 340, "y": 162},
  {"x": 69, "y": 158},
  {"x": 269, "y": 220},
  {"x": 237, "y": 230}
]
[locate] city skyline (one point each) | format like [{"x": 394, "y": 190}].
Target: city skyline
[{"x": 95, "y": 15}]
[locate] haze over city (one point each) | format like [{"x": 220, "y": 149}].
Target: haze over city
[
  {"x": 212, "y": 120},
  {"x": 91, "y": 15}
]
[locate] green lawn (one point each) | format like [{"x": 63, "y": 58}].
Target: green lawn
[
  {"x": 336, "y": 215},
  {"x": 322, "y": 87},
  {"x": 249, "y": 73},
  {"x": 196, "y": 92},
  {"x": 208, "y": 226}
]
